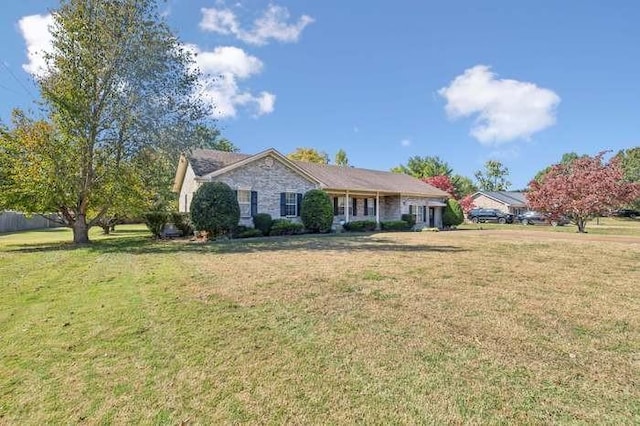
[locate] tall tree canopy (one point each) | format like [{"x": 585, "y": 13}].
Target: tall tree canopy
[
  {"x": 567, "y": 158},
  {"x": 309, "y": 155},
  {"x": 119, "y": 89},
  {"x": 630, "y": 162},
  {"x": 582, "y": 189},
  {"x": 494, "y": 177},
  {"x": 424, "y": 167},
  {"x": 341, "y": 158}
]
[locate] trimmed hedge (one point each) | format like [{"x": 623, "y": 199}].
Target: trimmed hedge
[
  {"x": 409, "y": 219},
  {"x": 215, "y": 209},
  {"x": 156, "y": 222},
  {"x": 182, "y": 222},
  {"x": 360, "y": 226},
  {"x": 263, "y": 222},
  {"x": 453, "y": 214},
  {"x": 316, "y": 211},
  {"x": 395, "y": 225},
  {"x": 286, "y": 227},
  {"x": 250, "y": 233}
]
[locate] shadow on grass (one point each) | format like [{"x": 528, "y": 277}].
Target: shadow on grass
[{"x": 145, "y": 245}]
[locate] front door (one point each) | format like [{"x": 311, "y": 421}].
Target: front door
[{"x": 432, "y": 219}]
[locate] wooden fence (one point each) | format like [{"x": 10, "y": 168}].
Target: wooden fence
[{"x": 14, "y": 221}]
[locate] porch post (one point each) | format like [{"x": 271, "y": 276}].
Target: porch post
[
  {"x": 346, "y": 207},
  {"x": 377, "y": 209}
]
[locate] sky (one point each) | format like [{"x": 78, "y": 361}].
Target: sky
[{"x": 467, "y": 81}]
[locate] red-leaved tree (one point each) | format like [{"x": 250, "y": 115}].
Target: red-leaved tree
[
  {"x": 441, "y": 182},
  {"x": 582, "y": 189},
  {"x": 467, "y": 204}
]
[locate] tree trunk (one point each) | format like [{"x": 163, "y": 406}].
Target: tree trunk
[
  {"x": 80, "y": 230},
  {"x": 106, "y": 229},
  {"x": 581, "y": 225}
]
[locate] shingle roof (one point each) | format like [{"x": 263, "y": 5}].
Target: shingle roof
[
  {"x": 352, "y": 178},
  {"x": 513, "y": 198},
  {"x": 205, "y": 161}
]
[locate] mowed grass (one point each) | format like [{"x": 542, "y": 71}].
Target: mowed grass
[{"x": 475, "y": 326}]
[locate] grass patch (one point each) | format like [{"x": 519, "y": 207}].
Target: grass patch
[{"x": 505, "y": 325}]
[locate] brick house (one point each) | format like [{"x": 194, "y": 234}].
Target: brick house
[
  {"x": 513, "y": 202},
  {"x": 269, "y": 182}
]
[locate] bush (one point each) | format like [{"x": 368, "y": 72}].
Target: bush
[
  {"x": 409, "y": 219},
  {"x": 250, "y": 233},
  {"x": 156, "y": 222},
  {"x": 316, "y": 211},
  {"x": 263, "y": 221},
  {"x": 453, "y": 214},
  {"x": 286, "y": 227},
  {"x": 182, "y": 222},
  {"x": 215, "y": 209},
  {"x": 360, "y": 226},
  {"x": 395, "y": 225}
]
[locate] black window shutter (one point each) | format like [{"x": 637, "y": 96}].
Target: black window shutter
[
  {"x": 283, "y": 204},
  {"x": 335, "y": 206},
  {"x": 299, "y": 204},
  {"x": 355, "y": 206},
  {"x": 375, "y": 206},
  {"x": 366, "y": 207},
  {"x": 254, "y": 203},
  {"x": 236, "y": 192}
]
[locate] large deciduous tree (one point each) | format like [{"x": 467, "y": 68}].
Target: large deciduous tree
[
  {"x": 341, "y": 158},
  {"x": 494, "y": 177},
  {"x": 424, "y": 167},
  {"x": 630, "y": 162},
  {"x": 118, "y": 88},
  {"x": 309, "y": 155},
  {"x": 581, "y": 189},
  {"x": 442, "y": 182}
]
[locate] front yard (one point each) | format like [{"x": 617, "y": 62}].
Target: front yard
[{"x": 514, "y": 325}]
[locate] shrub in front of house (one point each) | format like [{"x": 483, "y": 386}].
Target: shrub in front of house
[
  {"x": 409, "y": 219},
  {"x": 395, "y": 225},
  {"x": 360, "y": 226},
  {"x": 215, "y": 209},
  {"x": 286, "y": 227},
  {"x": 156, "y": 221},
  {"x": 263, "y": 222},
  {"x": 453, "y": 214},
  {"x": 182, "y": 221},
  {"x": 250, "y": 233},
  {"x": 316, "y": 211}
]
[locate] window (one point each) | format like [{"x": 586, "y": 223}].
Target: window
[
  {"x": 370, "y": 206},
  {"x": 291, "y": 204},
  {"x": 413, "y": 211},
  {"x": 244, "y": 201},
  {"x": 341, "y": 203},
  {"x": 420, "y": 214}
]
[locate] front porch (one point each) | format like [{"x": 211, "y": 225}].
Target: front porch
[{"x": 381, "y": 207}]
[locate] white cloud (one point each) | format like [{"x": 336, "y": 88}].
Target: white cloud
[
  {"x": 223, "y": 68},
  {"x": 36, "y": 34},
  {"x": 272, "y": 24},
  {"x": 405, "y": 142},
  {"x": 505, "y": 109}
]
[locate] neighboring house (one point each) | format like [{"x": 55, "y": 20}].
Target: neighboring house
[
  {"x": 269, "y": 182},
  {"x": 513, "y": 202}
]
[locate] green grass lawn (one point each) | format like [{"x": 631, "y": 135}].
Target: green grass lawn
[{"x": 508, "y": 324}]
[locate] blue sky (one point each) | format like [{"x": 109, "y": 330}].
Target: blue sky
[{"x": 468, "y": 81}]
